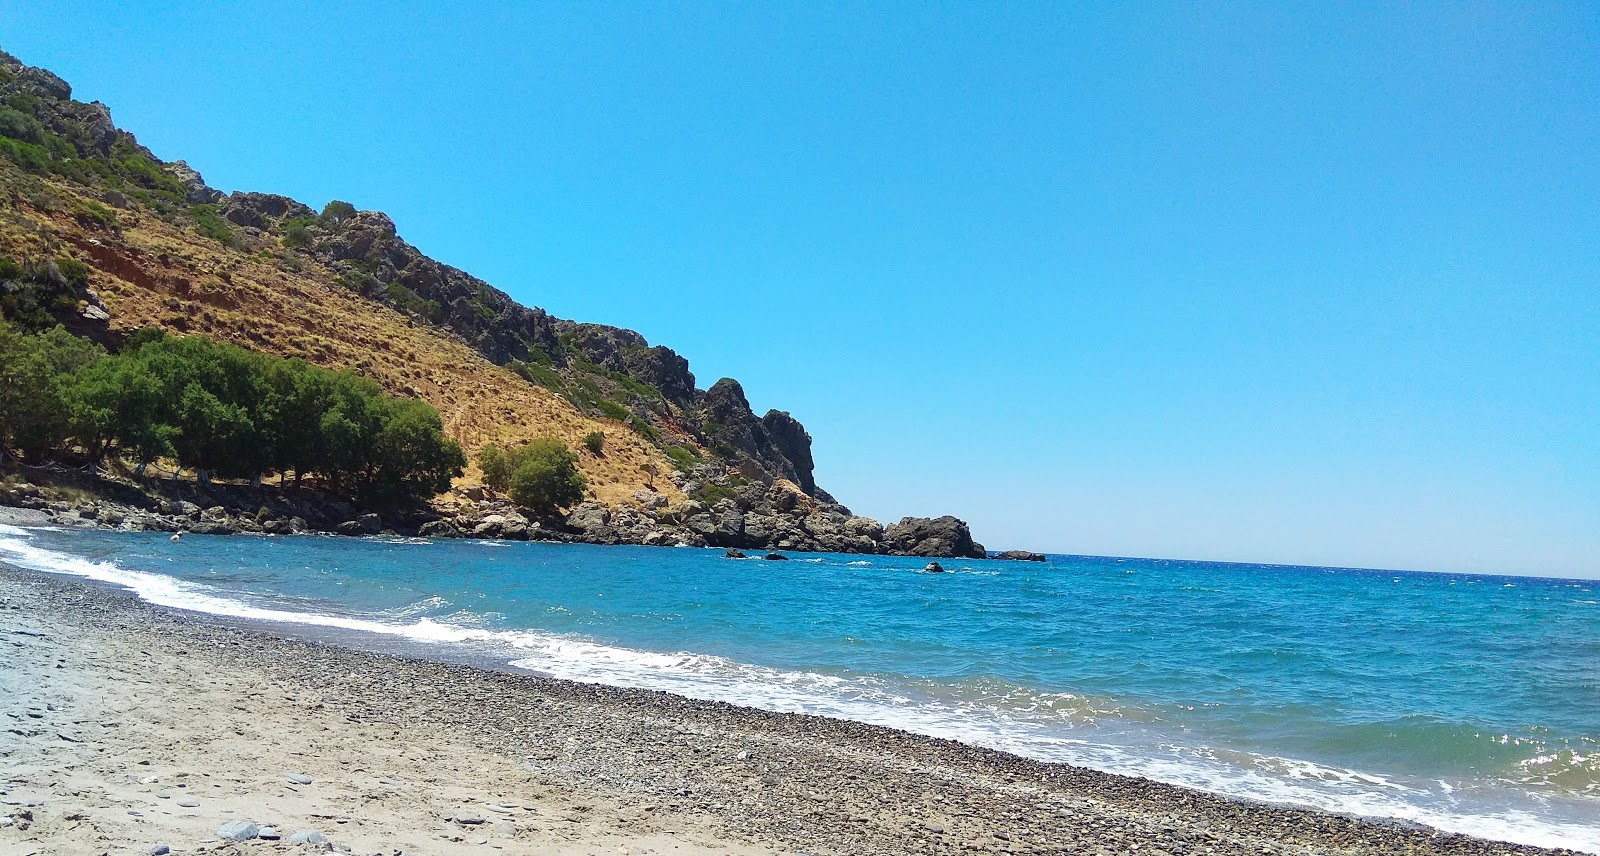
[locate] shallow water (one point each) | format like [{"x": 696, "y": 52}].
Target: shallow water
[{"x": 1471, "y": 703}]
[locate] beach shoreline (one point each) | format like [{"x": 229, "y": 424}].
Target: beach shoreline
[{"x": 404, "y": 753}]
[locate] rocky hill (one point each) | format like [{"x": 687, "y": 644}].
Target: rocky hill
[{"x": 106, "y": 238}]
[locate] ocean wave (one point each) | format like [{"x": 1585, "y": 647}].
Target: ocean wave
[{"x": 1057, "y": 727}]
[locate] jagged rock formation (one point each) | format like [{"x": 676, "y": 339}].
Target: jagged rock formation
[{"x": 92, "y": 192}]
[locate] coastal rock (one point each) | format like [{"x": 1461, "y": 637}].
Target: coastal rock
[
  {"x": 588, "y": 517},
  {"x": 1020, "y": 556},
  {"x": 776, "y": 557},
  {"x": 936, "y": 538},
  {"x": 439, "y": 529},
  {"x": 734, "y": 554}
]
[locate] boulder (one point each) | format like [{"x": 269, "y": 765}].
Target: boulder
[
  {"x": 933, "y": 568},
  {"x": 734, "y": 554},
  {"x": 776, "y": 557},
  {"x": 936, "y": 538},
  {"x": 1020, "y": 556},
  {"x": 439, "y": 529},
  {"x": 588, "y": 517}
]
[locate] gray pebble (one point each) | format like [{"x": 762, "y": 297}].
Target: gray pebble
[
  {"x": 307, "y": 837},
  {"x": 160, "y": 849},
  {"x": 468, "y": 819},
  {"x": 189, "y": 802},
  {"x": 237, "y": 830},
  {"x": 268, "y": 833},
  {"x": 298, "y": 778},
  {"x": 163, "y": 795}
]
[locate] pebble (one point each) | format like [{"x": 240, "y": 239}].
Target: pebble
[
  {"x": 163, "y": 795},
  {"x": 160, "y": 849},
  {"x": 237, "y": 830},
  {"x": 189, "y": 802},
  {"x": 468, "y": 819},
  {"x": 268, "y": 833},
  {"x": 298, "y": 778},
  {"x": 307, "y": 837}
]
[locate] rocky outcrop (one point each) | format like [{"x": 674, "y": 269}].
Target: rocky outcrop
[
  {"x": 776, "y": 444},
  {"x": 1019, "y": 556},
  {"x": 257, "y": 210},
  {"x": 936, "y": 537}
]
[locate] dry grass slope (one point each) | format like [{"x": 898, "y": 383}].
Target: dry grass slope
[{"x": 151, "y": 272}]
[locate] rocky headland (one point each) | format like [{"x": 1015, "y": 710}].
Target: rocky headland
[{"x": 156, "y": 246}]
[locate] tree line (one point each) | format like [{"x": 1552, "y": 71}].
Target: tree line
[{"x": 221, "y": 410}]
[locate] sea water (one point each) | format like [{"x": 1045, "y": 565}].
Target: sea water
[{"x": 1467, "y": 702}]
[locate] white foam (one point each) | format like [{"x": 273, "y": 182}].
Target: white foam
[{"x": 1037, "y": 730}]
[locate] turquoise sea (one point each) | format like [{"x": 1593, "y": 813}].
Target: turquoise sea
[{"x": 1466, "y": 702}]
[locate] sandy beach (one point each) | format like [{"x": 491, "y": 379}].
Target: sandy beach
[{"x": 128, "y": 727}]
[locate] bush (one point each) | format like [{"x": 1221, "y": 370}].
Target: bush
[
  {"x": 93, "y": 214},
  {"x": 210, "y": 224},
  {"x": 337, "y": 211},
  {"x": 296, "y": 232},
  {"x": 497, "y": 466},
  {"x": 546, "y": 477},
  {"x": 595, "y": 442}
]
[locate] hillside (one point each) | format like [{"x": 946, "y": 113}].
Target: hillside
[{"x": 341, "y": 289}]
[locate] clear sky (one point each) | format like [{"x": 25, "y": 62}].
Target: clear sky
[{"x": 1286, "y": 283}]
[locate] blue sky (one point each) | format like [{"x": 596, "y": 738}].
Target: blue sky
[{"x": 1284, "y": 283}]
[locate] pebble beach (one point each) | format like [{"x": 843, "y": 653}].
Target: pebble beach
[{"x": 130, "y": 728}]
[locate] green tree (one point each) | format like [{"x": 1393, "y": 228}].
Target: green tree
[
  {"x": 411, "y": 457},
  {"x": 35, "y": 371},
  {"x": 497, "y": 466},
  {"x": 546, "y": 476}
]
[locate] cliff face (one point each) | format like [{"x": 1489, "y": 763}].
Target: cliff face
[{"x": 340, "y": 287}]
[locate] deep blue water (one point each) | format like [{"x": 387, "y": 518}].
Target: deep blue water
[{"x": 1471, "y": 703}]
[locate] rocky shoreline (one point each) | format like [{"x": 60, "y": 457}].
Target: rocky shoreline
[
  {"x": 752, "y": 517},
  {"x": 544, "y": 762}
]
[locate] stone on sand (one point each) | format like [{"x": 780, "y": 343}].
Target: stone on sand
[{"x": 237, "y": 830}]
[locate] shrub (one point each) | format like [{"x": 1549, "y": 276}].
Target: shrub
[
  {"x": 296, "y": 232},
  {"x": 496, "y": 466},
  {"x": 337, "y": 211},
  {"x": 683, "y": 458},
  {"x": 546, "y": 477},
  {"x": 711, "y": 494},
  {"x": 595, "y": 442},
  {"x": 93, "y": 214},
  {"x": 210, "y": 224}
]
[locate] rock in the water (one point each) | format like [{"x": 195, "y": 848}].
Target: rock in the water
[
  {"x": 734, "y": 553},
  {"x": 307, "y": 837},
  {"x": 1021, "y": 556},
  {"x": 934, "y": 568},
  {"x": 936, "y": 538},
  {"x": 238, "y": 830},
  {"x": 776, "y": 557},
  {"x": 297, "y": 778}
]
